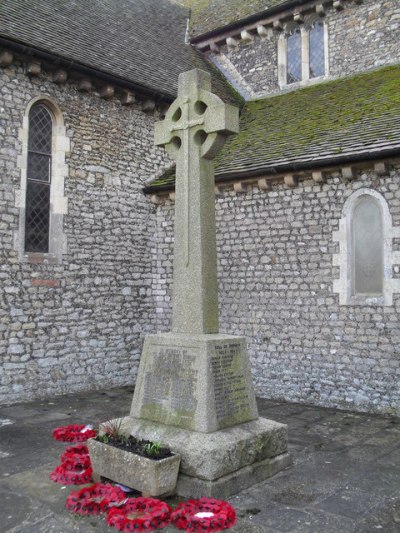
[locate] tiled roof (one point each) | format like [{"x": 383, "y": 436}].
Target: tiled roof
[
  {"x": 208, "y": 15},
  {"x": 140, "y": 41},
  {"x": 355, "y": 118}
]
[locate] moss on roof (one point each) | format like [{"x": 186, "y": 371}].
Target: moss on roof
[{"x": 357, "y": 117}]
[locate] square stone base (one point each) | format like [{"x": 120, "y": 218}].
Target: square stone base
[
  {"x": 223, "y": 462},
  {"x": 225, "y": 486},
  {"x": 196, "y": 382}
]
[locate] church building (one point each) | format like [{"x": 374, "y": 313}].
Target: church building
[{"x": 307, "y": 193}]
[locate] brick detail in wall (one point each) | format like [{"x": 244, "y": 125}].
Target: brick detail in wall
[{"x": 50, "y": 283}]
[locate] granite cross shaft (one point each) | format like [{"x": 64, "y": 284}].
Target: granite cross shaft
[{"x": 193, "y": 131}]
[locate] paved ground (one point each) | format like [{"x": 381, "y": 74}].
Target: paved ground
[{"x": 345, "y": 476}]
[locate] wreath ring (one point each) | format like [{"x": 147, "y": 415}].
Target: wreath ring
[
  {"x": 73, "y": 433},
  {"x": 139, "y": 514},
  {"x": 205, "y": 514},
  {"x": 96, "y": 499},
  {"x": 73, "y": 452},
  {"x": 75, "y": 461},
  {"x": 72, "y": 474}
]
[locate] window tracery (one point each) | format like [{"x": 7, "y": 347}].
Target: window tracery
[
  {"x": 316, "y": 50},
  {"x": 302, "y": 51},
  {"x": 37, "y": 204},
  {"x": 293, "y": 51}
]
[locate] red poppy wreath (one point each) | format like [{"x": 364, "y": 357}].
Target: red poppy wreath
[
  {"x": 139, "y": 514},
  {"x": 73, "y": 452},
  {"x": 72, "y": 474},
  {"x": 205, "y": 514},
  {"x": 75, "y": 461},
  {"x": 96, "y": 499},
  {"x": 74, "y": 433}
]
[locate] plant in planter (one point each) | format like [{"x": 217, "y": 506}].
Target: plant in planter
[{"x": 142, "y": 465}]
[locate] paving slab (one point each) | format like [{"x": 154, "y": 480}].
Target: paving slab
[{"x": 345, "y": 475}]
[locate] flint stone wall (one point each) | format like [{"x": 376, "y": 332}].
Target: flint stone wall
[
  {"x": 275, "y": 253},
  {"x": 79, "y": 324},
  {"x": 361, "y": 37}
]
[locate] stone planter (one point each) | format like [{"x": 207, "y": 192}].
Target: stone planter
[{"x": 152, "y": 478}]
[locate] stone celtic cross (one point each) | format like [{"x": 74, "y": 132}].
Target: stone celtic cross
[{"x": 193, "y": 131}]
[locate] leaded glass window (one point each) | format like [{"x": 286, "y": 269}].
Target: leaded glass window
[
  {"x": 37, "y": 214},
  {"x": 317, "y": 50},
  {"x": 294, "y": 56}
]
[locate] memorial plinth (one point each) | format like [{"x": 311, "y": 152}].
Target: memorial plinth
[
  {"x": 196, "y": 382},
  {"x": 194, "y": 390}
]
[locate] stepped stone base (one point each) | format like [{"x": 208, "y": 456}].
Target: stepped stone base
[
  {"x": 224, "y": 487},
  {"x": 194, "y": 394},
  {"x": 223, "y": 462}
]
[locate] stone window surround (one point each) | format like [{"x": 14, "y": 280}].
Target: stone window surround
[
  {"x": 305, "y": 57},
  {"x": 343, "y": 259},
  {"x": 58, "y": 202}
]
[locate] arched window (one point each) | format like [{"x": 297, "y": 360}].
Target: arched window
[
  {"x": 37, "y": 205},
  {"x": 40, "y": 199},
  {"x": 367, "y": 246},
  {"x": 365, "y": 257}
]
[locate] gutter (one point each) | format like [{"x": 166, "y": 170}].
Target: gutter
[
  {"x": 291, "y": 168},
  {"x": 289, "y": 4},
  {"x": 83, "y": 69}
]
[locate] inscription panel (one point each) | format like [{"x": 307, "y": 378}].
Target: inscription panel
[
  {"x": 172, "y": 378},
  {"x": 231, "y": 389}
]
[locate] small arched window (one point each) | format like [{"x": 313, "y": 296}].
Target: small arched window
[
  {"x": 367, "y": 247},
  {"x": 37, "y": 205},
  {"x": 365, "y": 257}
]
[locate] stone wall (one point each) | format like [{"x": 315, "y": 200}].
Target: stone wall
[
  {"x": 360, "y": 37},
  {"x": 363, "y": 36},
  {"x": 252, "y": 68},
  {"x": 276, "y": 274},
  {"x": 78, "y": 324}
]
